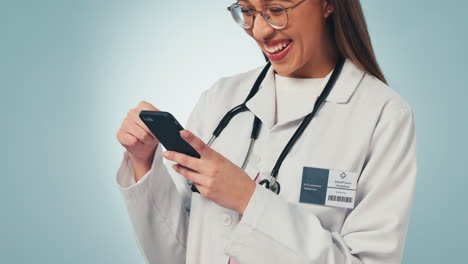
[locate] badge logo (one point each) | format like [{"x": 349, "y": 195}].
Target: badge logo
[{"x": 343, "y": 175}]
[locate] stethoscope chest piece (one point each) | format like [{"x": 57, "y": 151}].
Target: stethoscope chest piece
[{"x": 274, "y": 186}]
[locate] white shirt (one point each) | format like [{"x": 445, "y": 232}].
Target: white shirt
[
  {"x": 293, "y": 94},
  {"x": 363, "y": 126}
]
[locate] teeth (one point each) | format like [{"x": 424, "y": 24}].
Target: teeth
[{"x": 278, "y": 47}]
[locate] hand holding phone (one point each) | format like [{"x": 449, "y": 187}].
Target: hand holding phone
[
  {"x": 138, "y": 140},
  {"x": 167, "y": 129}
]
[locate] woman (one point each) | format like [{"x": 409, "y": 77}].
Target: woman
[{"x": 346, "y": 185}]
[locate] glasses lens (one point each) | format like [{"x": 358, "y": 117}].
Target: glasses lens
[
  {"x": 276, "y": 16},
  {"x": 242, "y": 15}
]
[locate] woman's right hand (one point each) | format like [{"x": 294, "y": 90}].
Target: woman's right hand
[{"x": 139, "y": 141}]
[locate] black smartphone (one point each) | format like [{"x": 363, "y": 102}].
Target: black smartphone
[{"x": 166, "y": 128}]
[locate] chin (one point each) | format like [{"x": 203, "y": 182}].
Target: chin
[{"x": 283, "y": 69}]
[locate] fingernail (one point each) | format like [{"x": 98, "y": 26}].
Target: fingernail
[
  {"x": 164, "y": 154},
  {"x": 184, "y": 133}
]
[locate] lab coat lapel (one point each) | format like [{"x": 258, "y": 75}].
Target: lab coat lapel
[
  {"x": 263, "y": 104},
  {"x": 350, "y": 77}
]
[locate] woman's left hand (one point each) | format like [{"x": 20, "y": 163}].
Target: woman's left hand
[{"x": 215, "y": 177}]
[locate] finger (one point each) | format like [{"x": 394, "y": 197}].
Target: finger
[
  {"x": 198, "y": 144},
  {"x": 134, "y": 115},
  {"x": 139, "y": 133},
  {"x": 183, "y": 159},
  {"x": 128, "y": 140},
  {"x": 201, "y": 189},
  {"x": 191, "y": 175},
  {"x": 147, "y": 106}
]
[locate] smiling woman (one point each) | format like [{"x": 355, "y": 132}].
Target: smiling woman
[
  {"x": 332, "y": 26},
  {"x": 325, "y": 124}
]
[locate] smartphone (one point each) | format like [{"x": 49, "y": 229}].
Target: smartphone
[{"x": 166, "y": 128}]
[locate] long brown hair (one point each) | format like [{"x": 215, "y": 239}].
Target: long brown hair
[{"x": 349, "y": 28}]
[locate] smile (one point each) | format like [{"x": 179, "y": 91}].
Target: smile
[
  {"x": 276, "y": 51},
  {"x": 277, "y": 47}
]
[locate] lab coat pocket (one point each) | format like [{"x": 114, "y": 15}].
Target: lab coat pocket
[{"x": 310, "y": 193}]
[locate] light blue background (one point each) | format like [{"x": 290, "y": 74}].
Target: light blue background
[{"x": 70, "y": 71}]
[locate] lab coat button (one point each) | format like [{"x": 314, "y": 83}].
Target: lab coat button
[{"x": 227, "y": 219}]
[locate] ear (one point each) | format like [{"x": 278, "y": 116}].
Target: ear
[{"x": 327, "y": 8}]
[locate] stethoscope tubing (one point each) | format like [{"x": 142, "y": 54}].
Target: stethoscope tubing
[{"x": 273, "y": 184}]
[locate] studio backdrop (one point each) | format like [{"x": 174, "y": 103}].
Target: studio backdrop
[{"x": 70, "y": 71}]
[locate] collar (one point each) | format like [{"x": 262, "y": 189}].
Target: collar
[{"x": 263, "y": 103}]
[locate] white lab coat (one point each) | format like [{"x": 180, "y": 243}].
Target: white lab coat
[{"x": 363, "y": 126}]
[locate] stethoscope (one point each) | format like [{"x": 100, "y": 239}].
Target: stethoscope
[{"x": 273, "y": 184}]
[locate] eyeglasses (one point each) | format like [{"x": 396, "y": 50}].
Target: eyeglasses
[{"x": 275, "y": 15}]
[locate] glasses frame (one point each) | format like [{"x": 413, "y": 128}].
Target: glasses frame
[{"x": 254, "y": 12}]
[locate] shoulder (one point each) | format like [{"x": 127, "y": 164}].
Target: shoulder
[
  {"x": 381, "y": 95},
  {"x": 382, "y": 99}
]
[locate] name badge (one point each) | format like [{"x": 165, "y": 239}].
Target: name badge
[{"x": 336, "y": 188}]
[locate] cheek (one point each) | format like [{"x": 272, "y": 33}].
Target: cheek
[
  {"x": 308, "y": 25},
  {"x": 301, "y": 32},
  {"x": 309, "y": 38}
]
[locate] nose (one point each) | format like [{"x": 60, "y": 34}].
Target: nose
[{"x": 261, "y": 29}]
